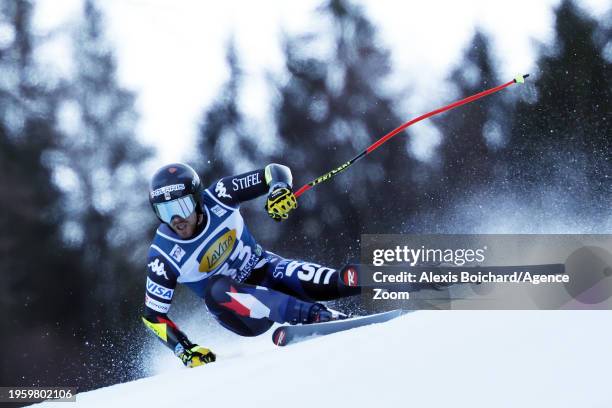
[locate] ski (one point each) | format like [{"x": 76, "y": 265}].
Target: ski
[{"x": 285, "y": 335}]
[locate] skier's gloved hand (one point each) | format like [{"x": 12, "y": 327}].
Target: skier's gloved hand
[
  {"x": 195, "y": 355},
  {"x": 280, "y": 202}
]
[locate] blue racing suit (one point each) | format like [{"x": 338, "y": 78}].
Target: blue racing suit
[{"x": 245, "y": 287}]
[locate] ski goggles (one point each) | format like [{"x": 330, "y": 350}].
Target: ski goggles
[{"x": 180, "y": 207}]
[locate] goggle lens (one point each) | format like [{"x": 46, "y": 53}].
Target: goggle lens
[{"x": 181, "y": 207}]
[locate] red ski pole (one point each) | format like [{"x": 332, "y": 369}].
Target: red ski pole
[{"x": 519, "y": 79}]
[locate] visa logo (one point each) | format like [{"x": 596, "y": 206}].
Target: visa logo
[{"x": 159, "y": 290}]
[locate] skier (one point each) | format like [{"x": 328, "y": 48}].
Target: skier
[{"x": 203, "y": 243}]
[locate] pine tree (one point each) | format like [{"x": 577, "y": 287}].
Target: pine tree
[
  {"x": 333, "y": 106},
  {"x": 561, "y": 134},
  {"x": 225, "y": 146},
  {"x": 474, "y": 135},
  {"x": 40, "y": 276},
  {"x": 102, "y": 157}
]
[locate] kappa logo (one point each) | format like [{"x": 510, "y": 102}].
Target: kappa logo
[
  {"x": 218, "y": 251},
  {"x": 157, "y": 268},
  {"x": 218, "y": 211},
  {"x": 221, "y": 190},
  {"x": 177, "y": 253}
]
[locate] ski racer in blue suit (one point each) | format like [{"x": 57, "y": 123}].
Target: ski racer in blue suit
[{"x": 203, "y": 243}]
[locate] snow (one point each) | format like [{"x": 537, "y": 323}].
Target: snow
[{"x": 428, "y": 358}]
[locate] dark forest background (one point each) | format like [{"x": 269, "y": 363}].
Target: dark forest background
[{"x": 74, "y": 217}]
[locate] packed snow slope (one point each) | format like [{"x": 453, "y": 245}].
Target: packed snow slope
[{"x": 424, "y": 359}]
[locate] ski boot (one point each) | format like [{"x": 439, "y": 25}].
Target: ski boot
[{"x": 319, "y": 314}]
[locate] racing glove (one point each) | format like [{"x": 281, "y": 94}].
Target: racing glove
[
  {"x": 195, "y": 355},
  {"x": 280, "y": 202}
]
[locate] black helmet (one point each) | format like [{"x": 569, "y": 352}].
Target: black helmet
[{"x": 175, "y": 189}]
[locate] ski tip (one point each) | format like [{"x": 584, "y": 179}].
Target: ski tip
[
  {"x": 520, "y": 79},
  {"x": 279, "y": 337}
]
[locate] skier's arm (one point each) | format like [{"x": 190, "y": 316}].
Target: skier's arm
[
  {"x": 161, "y": 281},
  {"x": 234, "y": 190}
]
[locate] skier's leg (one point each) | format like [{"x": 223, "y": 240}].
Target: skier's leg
[
  {"x": 307, "y": 280},
  {"x": 251, "y": 310}
]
